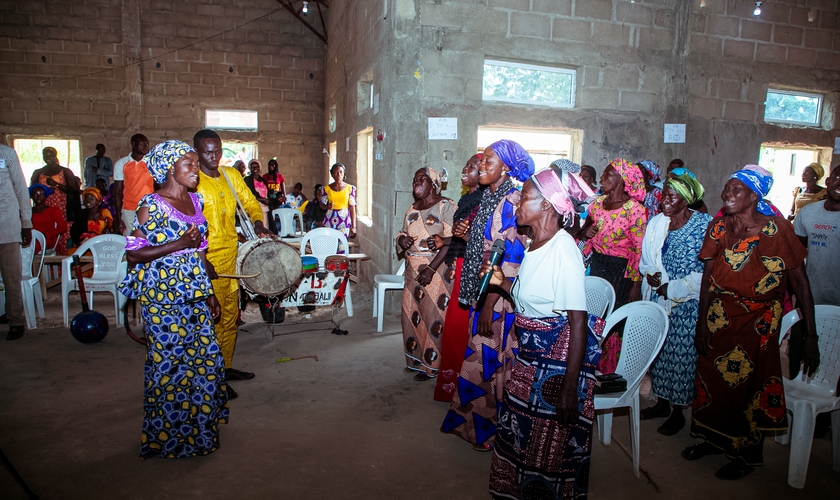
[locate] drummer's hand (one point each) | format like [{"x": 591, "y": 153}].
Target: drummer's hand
[
  {"x": 211, "y": 270},
  {"x": 405, "y": 241},
  {"x": 215, "y": 308},
  {"x": 260, "y": 229},
  {"x": 425, "y": 275},
  {"x": 191, "y": 237}
]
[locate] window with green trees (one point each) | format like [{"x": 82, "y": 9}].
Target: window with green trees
[
  {"x": 528, "y": 84},
  {"x": 797, "y": 108}
]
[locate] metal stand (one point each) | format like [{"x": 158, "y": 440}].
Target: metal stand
[{"x": 14, "y": 473}]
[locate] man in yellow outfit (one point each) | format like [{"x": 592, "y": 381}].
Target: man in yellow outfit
[{"x": 220, "y": 211}]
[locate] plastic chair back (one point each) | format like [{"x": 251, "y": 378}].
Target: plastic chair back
[
  {"x": 828, "y": 331},
  {"x": 323, "y": 242},
  {"x": 38, "y": 240},
  {"x": 600, "y": 296},
  {"x": 286, "y": 216},
  {"x": 644, "y": 334},
  {"x": 108, "y": 251}
]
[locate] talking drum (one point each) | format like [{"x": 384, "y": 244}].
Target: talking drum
[{"x": 277, "y": 264}]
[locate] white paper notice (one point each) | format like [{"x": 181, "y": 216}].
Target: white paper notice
[
  {"x": 376, "y": 104},
  {"x": 347, "y": 144},
  {"x": 837, "y": 145},
  {"x": 443, "y": 129},
  {"x": 674, "y": 133}
]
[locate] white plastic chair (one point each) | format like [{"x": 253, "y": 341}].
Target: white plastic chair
[
  {"x": 30, "y": 287},
  {"x": 644, "y": 334},
  {"x": 805, "y": 398},
  {"x": 600, "y": 296},
  {"x": 109, "y": 269},
  {"x": 381, "y": 284},
  {"x": 287, "y": 230},
  {"x": 323, "y": 242}
]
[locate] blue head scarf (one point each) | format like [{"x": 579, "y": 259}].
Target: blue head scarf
[
  {"x": 163, "y": 156},
  {"x": 759, "y": 181},
  {"x": 683, "y": 171},
  {"x": 518, "y": 160},
  {"x": 653, "y": 170}
]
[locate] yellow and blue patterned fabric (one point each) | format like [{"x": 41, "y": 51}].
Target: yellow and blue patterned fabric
[
  {"x": 161, "y": 158},
  {"x": 176, "y": 278}
]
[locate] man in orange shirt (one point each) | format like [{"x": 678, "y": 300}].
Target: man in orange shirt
[{"x": 132, "y": 182}]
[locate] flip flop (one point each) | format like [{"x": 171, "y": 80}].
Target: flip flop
[{"x": 699, "y": 451}]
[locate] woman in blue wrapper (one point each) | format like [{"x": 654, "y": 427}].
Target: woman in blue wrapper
[
  {"x": 184, "y": 399},
  {"x": 489, "y": 354},
  {"x": 544, "y": 435}
]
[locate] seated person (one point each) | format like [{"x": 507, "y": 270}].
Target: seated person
[
  {"x": 313, "y": 214},
  {"x": 296, "y": 199},
  {"x": 91, "y": 221},
  {"x": 46, "y": 219}
]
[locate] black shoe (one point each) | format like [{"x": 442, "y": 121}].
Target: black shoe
[
  {"x": 15, "y": 332},
  {"x": 734, "y": 470},
  {"x": 4, "y": 320},
  {"x": 699, "y": 451},
  {"x": 231, "y": 394},
  {"x": 673, "y": 425},
  {"x": 659, "y": 410},
  {"x": 234, "y": 374}
]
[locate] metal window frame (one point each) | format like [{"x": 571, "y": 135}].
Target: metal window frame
[
  {"x": 534, "y": 67},
  {"x": 819, "y": 97},
  {"x": 230, "y": 127}
]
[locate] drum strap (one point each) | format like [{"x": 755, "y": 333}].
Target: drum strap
[{"x": 244, "y": 219}]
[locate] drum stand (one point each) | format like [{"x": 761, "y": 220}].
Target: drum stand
[
  {"x": 18, "y": 478},
  {"x": 333, "y": 310}
]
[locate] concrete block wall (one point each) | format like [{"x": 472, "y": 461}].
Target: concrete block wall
[
  {"x": 102, "y": 70},
  {"x": 639, "y": 65}
]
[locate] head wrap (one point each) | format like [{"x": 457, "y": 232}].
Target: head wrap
[
  {"x": 818, "y": 169},
  {"x": 161, "y": 158},
  {"x": 653, "y": 169},
  {"x": 687, "y": 187},
  {"x": 434, "y": 176},
  {"x": 759, "y": 181},
  {"x": 683, "y": 171},
  {"x": 634, "y": 183},
  {"x": 93, "y": 191},
  {"x": 566, "y": 165},
  {"x": 480, "y": 156},
  {"x": 518, "y": 160},
  {"x": 566, "y": 192},
  {"x": 47, "y": 190}
]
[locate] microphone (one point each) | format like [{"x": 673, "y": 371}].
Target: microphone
[{"x": 496, "y": 253}]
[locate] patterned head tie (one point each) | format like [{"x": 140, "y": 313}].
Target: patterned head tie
[
  {"x": 566, "y": 165},
  {"x": 653, "y": 169},
  {"x": 634, "y": 183},
  {"x": 163, "y": 156},
  {"x": 759, "y": 181},
  {"x": 687, "y": 187},
  {"x": 93, "y": 192},
  {"x": 517, "y": 159},
  {"x": 818, "y": 169},
  {"x": 567, "y": 192},
  {"x": 434, "y": 176}
]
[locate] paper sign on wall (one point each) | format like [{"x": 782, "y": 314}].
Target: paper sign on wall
[
  {"x": 347, "y": 144},
  {"x": 675, "y": 133},
  {"x": 443, "y": 129},
  {"x": 376, "y": 104}
]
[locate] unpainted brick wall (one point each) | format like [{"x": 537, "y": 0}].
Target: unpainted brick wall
[{"x": 102, "y": 70}]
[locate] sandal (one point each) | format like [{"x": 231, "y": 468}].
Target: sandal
[
  {"x": 483, "y": 448},
  {"x": 15, "y": 332},
  {"x": 734, "y": 470},
  {"x": 655, "y": 411},
  {"x": 699, "y": 451},
  {"x": 671, "y": 426},
  {"x": 422, "y": 377}
]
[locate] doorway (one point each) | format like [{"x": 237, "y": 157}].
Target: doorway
[{"x": 786, "y": 163}]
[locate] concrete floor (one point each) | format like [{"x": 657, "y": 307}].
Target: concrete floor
[{"x": 351, "y": 425}]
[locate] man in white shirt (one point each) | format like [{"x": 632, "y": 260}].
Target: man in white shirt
[
  {"x": 98, "y": 166},
  {"x": 16, "y": 230},
  {"x": 818, "y": 227}
]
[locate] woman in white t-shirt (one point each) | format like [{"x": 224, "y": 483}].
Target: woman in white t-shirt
[{"x": 544, "y": 433}]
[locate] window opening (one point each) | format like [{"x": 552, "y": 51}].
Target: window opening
[
  {"x": 30, "y": 153},
  {"x": 231, "y": 120},
  {"x": 791, "y": 107},
  {"x": 545, "y": 146},
  {"x": 528, "y": 84}
]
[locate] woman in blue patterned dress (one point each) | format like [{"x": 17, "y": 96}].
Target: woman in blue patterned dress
[
  {"x": 184, "y": 399},
  {"x": 672, "y": 278},
  {"x": 489, "y": 355}
]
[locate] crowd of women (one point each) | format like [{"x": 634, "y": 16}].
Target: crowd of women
[{"x": 518, "y": 360}]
